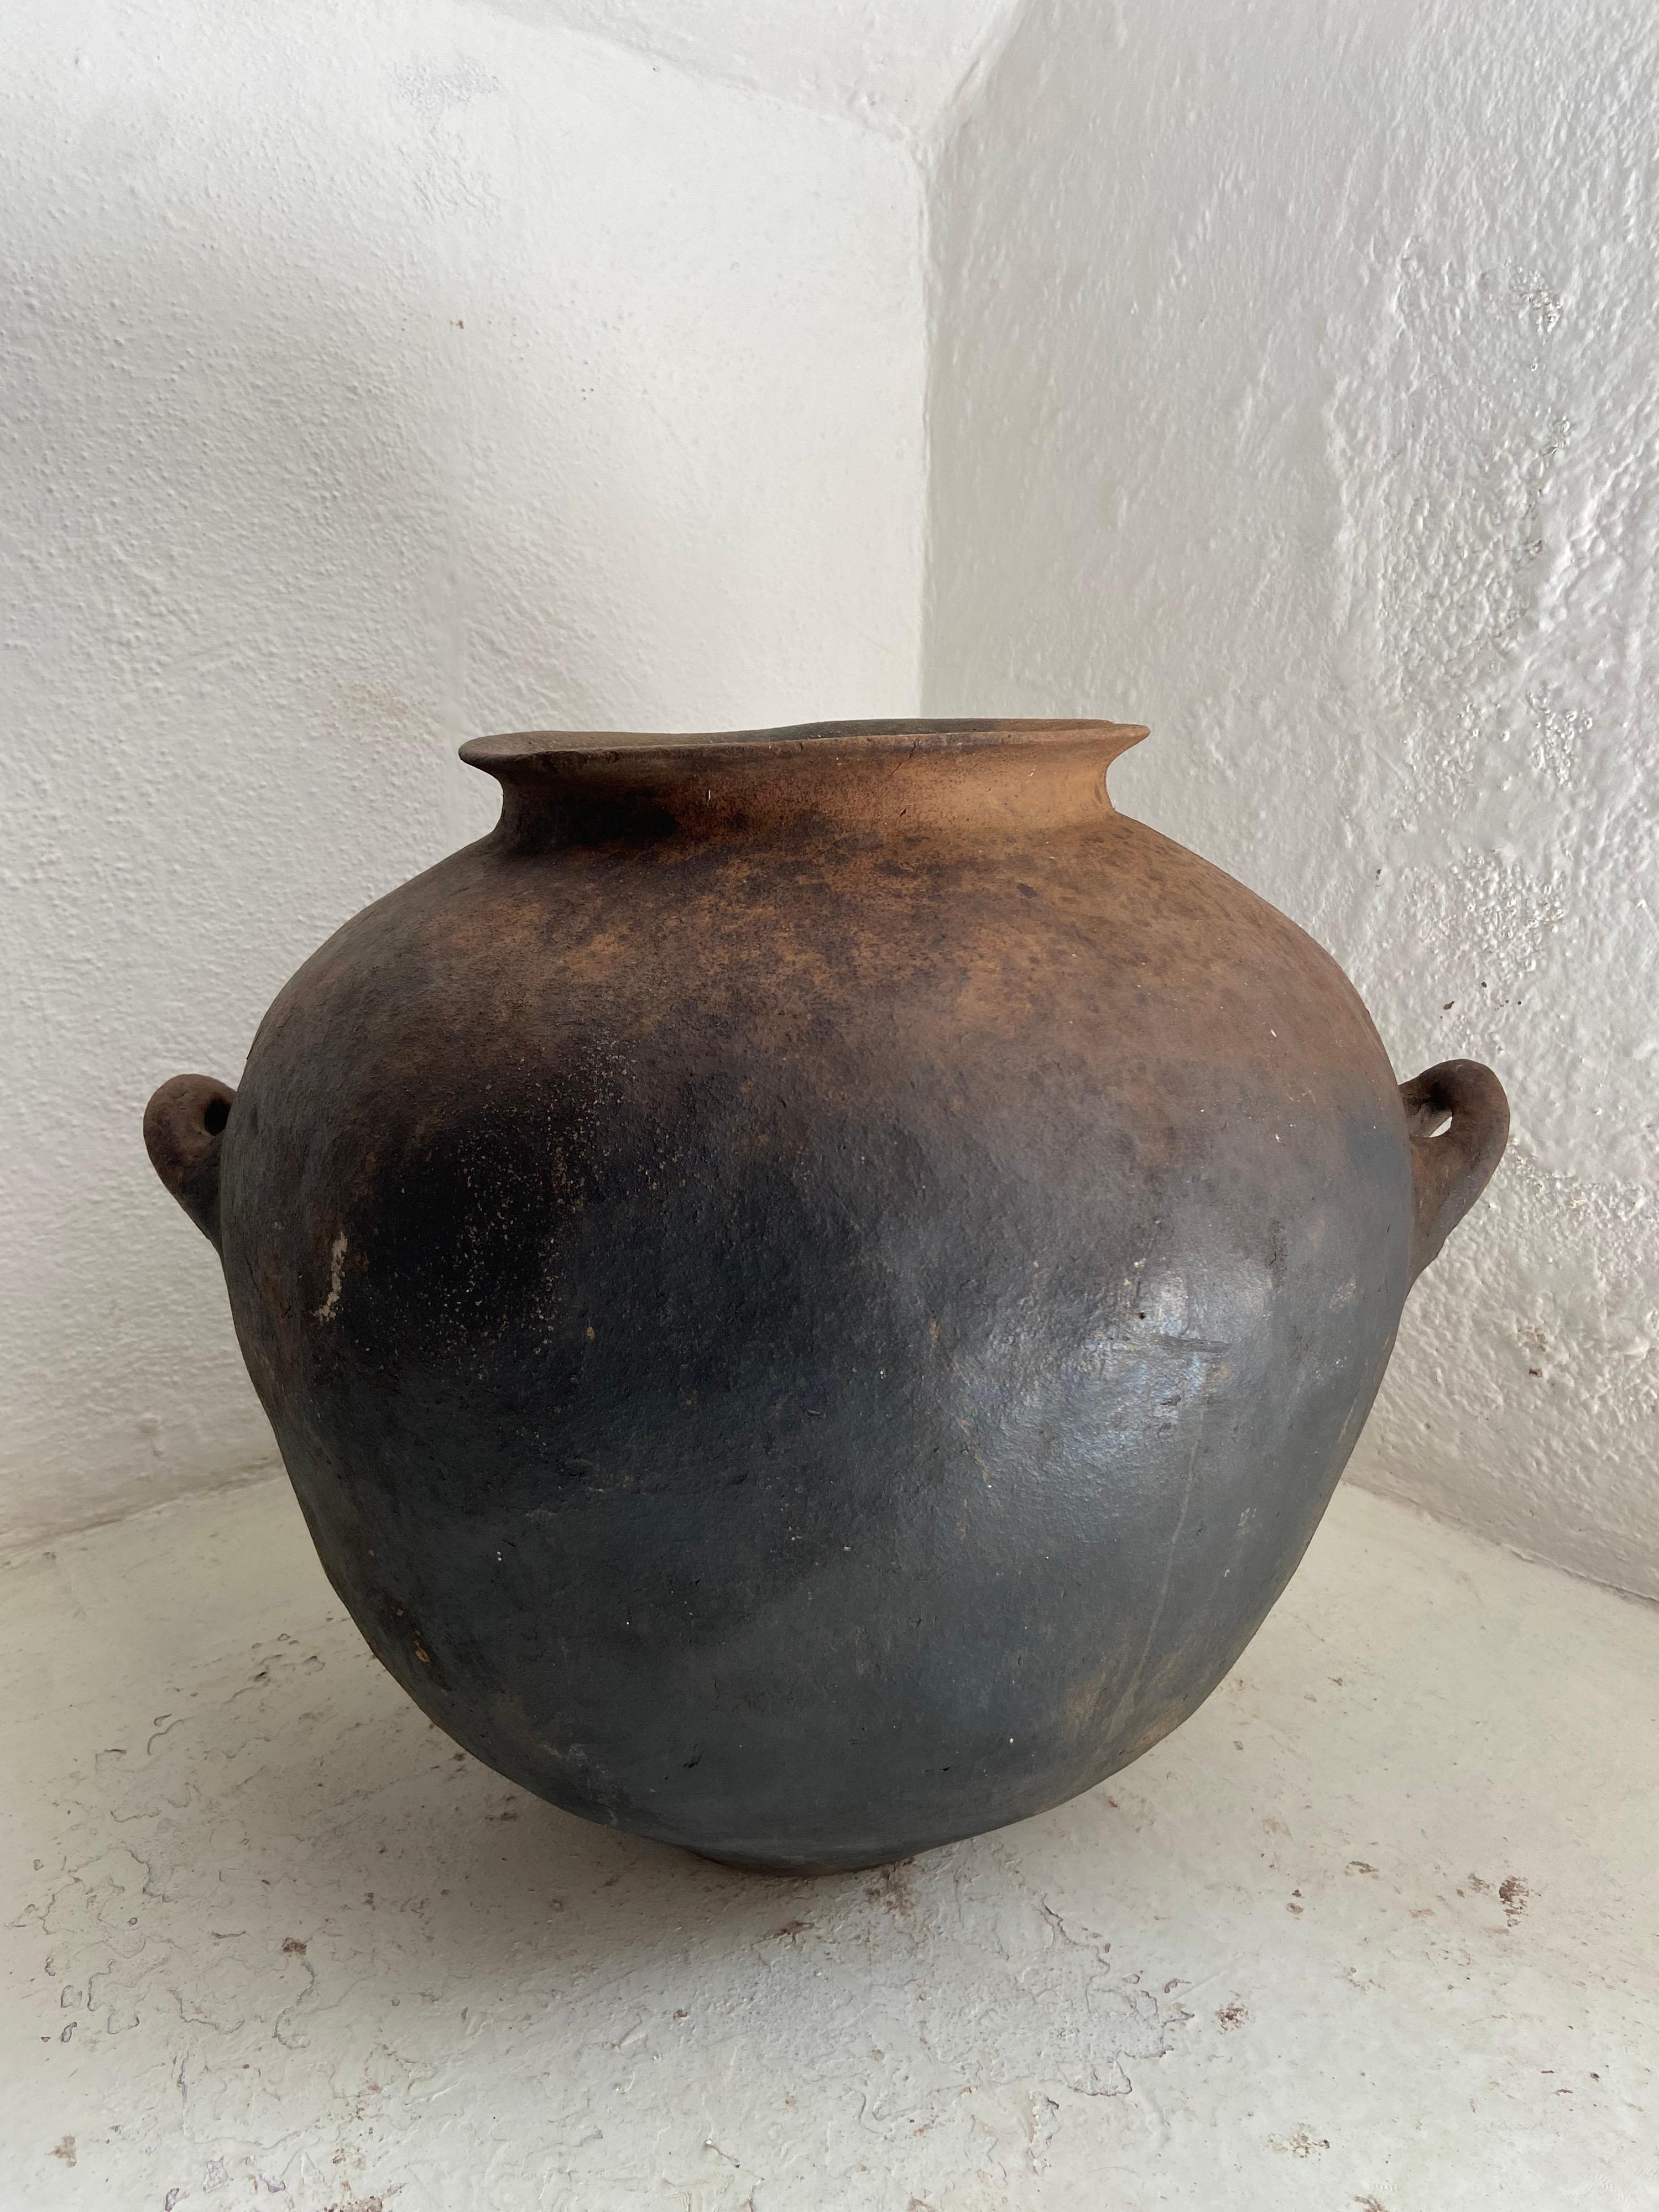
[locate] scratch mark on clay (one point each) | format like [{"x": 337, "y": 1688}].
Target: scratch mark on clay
[
  {"x": 1124, "y": 1702},
  {"x": 336, "y": 1278}
]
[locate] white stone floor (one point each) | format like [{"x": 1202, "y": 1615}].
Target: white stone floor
[{"x": 1377, "y": 1928}]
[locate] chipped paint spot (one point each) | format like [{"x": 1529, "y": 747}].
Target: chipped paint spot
[{"x": 336, "y": 1278}]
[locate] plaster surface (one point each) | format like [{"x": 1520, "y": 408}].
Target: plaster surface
[
  {"x": 373, "y": 376},
  {"x": 902, "y": 68},
  {"x": 1376, "y": 1929},
  {"x": 1291, "y": 391}
]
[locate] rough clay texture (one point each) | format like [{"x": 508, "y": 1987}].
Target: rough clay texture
[
  {"x": 1291, "y": 391},
  {"x": 809, "y": 1313},
  {"x": 372, "y": 376},
  {"x": 1375, "y": 1930}
]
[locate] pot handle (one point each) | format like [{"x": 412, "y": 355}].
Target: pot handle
[
  {"x": 1458, "y": 1119},
  {"x": 184, "y": 1128}
]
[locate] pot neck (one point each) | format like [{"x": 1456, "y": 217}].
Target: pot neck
[{"x": 886, "y": 780}]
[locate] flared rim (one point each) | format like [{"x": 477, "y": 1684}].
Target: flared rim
[{"x": 521, "y": 750}]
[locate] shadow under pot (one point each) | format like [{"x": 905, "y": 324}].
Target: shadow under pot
[{"x": 814, "y": 1285}]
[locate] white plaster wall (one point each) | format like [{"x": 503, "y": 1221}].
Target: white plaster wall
[
  {"x": 371, "y": 375},
  {"x": 897, "y": 66},
  {"x": 1293, "y": 390}
]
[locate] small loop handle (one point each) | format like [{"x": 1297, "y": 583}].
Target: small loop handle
[
  {"x": 185, "y": 1126},
  {"x": 1458, "y": 1119}
]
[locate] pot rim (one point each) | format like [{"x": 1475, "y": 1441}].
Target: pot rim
[{"x": 514, "y": 752}]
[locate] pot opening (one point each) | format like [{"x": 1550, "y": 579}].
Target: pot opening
[{"x": 889, "y": 778}]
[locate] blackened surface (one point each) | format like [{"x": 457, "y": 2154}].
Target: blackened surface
[{"x": 809, "y": 1338}]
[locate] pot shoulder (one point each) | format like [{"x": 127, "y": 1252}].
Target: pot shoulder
[{"x": 1110, "y": 945}]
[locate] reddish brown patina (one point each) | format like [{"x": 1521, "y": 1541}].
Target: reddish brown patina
[{"x": 815, "y": 1285}]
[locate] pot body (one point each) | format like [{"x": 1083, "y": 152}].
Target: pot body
[{"x": 814, "y": 1289}]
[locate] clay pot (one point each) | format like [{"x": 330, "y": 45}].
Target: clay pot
[{"x": 814, "y": 1285}]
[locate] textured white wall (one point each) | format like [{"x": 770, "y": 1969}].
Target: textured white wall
[
  {"x": 1293, "y": 390},
  {"x": 898, "y": 66},
  {"x": 371, "y": 375}
]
